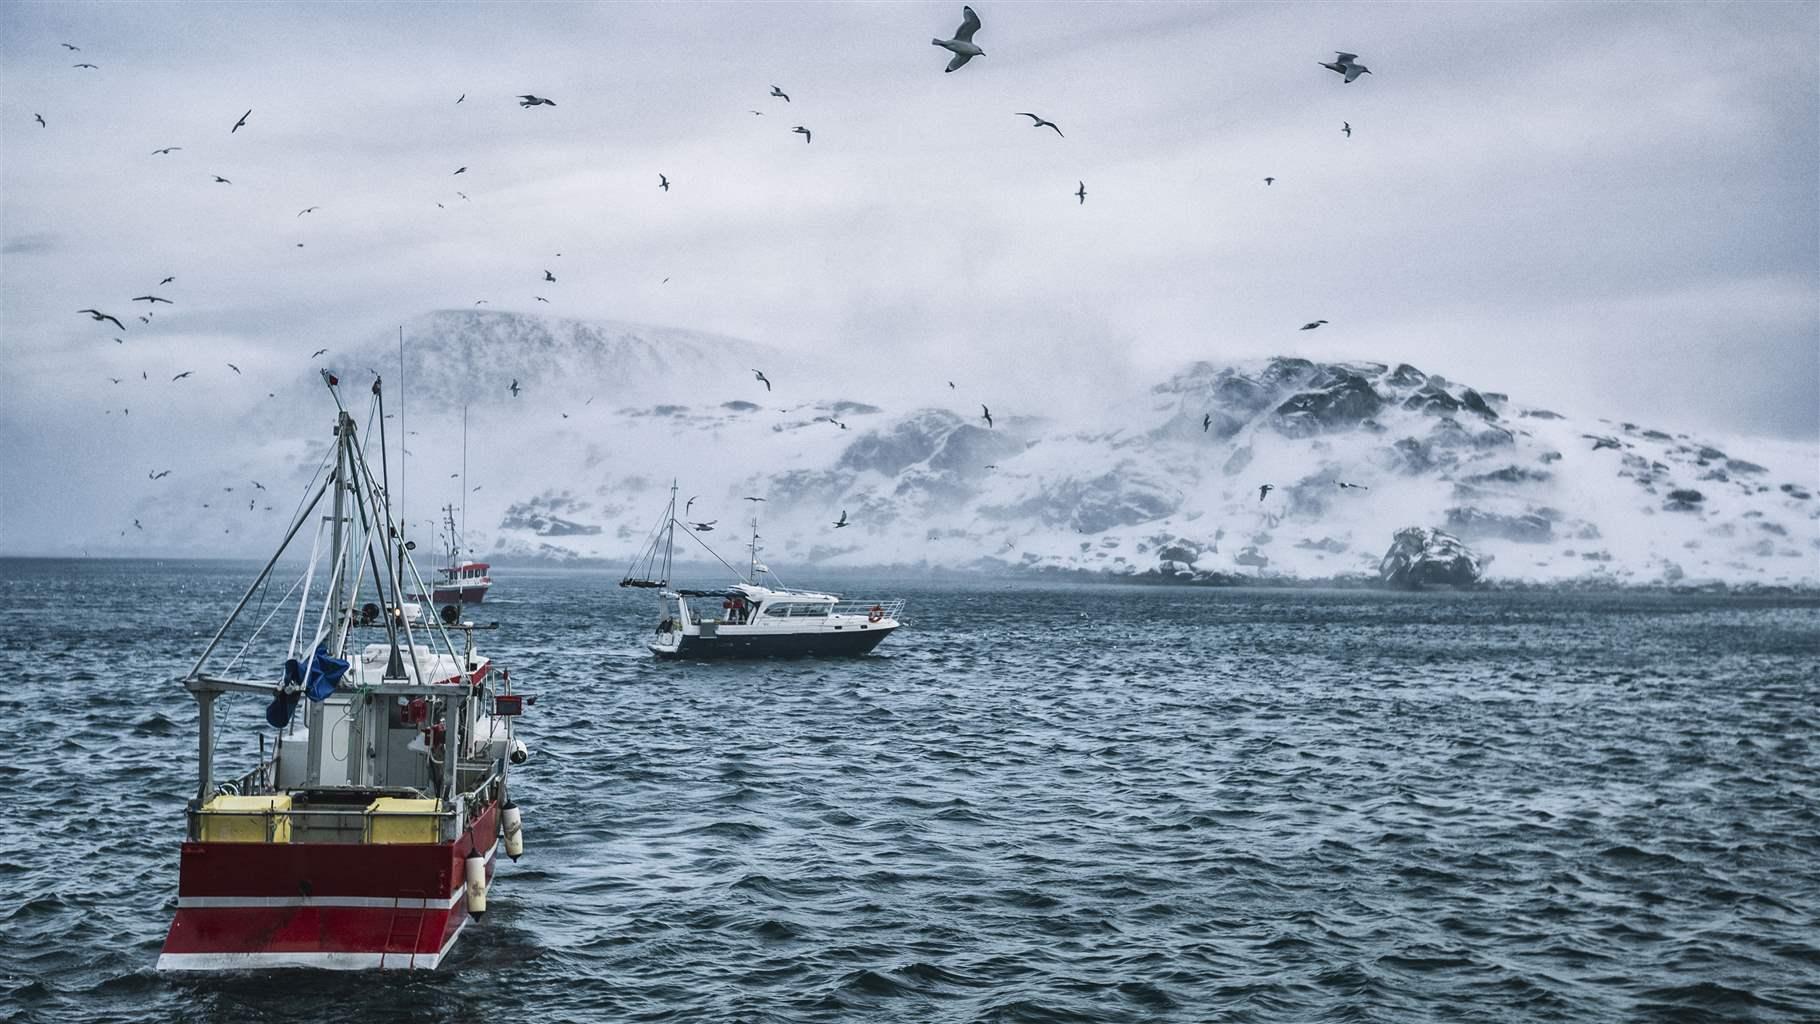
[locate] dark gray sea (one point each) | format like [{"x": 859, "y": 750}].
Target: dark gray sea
[{"x": 1038, "y": 803}]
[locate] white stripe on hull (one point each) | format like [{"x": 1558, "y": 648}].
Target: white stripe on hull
[{"x": 396, "y": 961}]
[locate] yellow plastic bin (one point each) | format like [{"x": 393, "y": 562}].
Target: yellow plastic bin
[
  {"x": 392, "y": 819},
  {"x": 247, "y": 819}
]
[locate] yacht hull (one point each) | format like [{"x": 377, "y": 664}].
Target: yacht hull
[{"x": 844, "y": 643}]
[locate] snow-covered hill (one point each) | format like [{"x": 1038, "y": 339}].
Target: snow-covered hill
[{"x": 1166, "y": 480}]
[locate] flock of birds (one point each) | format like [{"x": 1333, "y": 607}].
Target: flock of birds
[{"x": 963, "y": 49}]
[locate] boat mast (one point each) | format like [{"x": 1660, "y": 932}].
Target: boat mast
[
  {"x": 753, "y": 571},
  {"x": 669, "y": 536}
]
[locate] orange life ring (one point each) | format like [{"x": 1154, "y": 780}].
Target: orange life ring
[{"x": 875, "y": 614}]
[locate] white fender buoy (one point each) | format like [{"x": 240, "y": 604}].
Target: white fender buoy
[
  {"x": 520, "y": 752},
  {"x": 513, "y": 824},
  {"x": 477, "y": 884}
]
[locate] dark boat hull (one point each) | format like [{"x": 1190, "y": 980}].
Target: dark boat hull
[{"x": 841, "y": 644}]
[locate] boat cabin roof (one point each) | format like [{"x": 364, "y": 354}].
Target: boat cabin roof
[{"x": 759, "y": 595}]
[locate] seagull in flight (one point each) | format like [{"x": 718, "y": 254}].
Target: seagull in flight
[
  {"x": 234, "y": 368},
  {"x": 843, "y": 520},
  {"x": 95, "y": 314},
  {"x": 1344, "y": 486},
  {"x": 318, "y": 352},
  {"x": 962, "y": 44},
  {"x": 219, "y": 180},
  {"x": 1346, "y": 128},
  {"x": 1206, "y": 422},
  {"x": 986, "y": 414},
  {"x": 759, "y": 375},
  {"x": 775, "y": 91},
  {"x": 166, "y": 151},
  {"x": 258, "y": 486},
  {"x": 663, "y": 183},
  {"x": 243, "y": 117},
  {"x": 540, "y": 298},
  {"x": 1264, "y": 489},
  {"x": 161, "y": 474},
  {"x": 514, "y": 388},
  {"x": 167, "y": 280},
  {"x": 1038, "y": 122},
  {"x": 95, "y": 66},
  {"x": 1311, "y": 325},
  {"x": 707, "y": 527},
  {"x": 808, "y": 136},
  {"x": 1346, "y": 64},
  {"x": 136, "y": 525},
  {"x": 40, "y": 119},
  {"x": 1081, "y": 192},
  {"x": 153, "y": 299},
  {"x": 547, "y": 276},
  {"x": 1269, "y": 181},
  {"x": 463, "y": 96},
  {"x": 690, "y": 504},
  {"x": 182, "y": 375},
  {"x": 461, "y": 170},
  {"x": 114, "y": 379},
  {"x": 527, "y": 100},
  {"x": 308, "y": 209},
  {"x": 76, "y": 49}
]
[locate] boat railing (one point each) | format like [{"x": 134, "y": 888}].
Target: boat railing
[
  {"x": 481, "y": 781},
  {"x": 888, "y": 609}
]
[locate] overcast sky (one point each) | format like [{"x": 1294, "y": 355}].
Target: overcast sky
[{"x": 1611, "y": 208}]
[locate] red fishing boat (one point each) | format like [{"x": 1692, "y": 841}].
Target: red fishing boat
[{"x": 365, "y": 834}]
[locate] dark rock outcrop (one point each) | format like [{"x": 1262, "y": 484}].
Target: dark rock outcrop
[
  {"x": 1475, "y": 524},
  {"x": 1343, "y": 400},
  {"x": 1419, "y": 557}
]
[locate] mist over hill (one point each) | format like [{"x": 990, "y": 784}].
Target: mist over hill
[{"x": 1165, "y": 479}]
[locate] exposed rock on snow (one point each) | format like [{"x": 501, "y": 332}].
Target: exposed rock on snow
[{"x": 1419, "y": 557}]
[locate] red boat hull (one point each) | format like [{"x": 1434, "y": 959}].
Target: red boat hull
[{"x": 248, "y": 906}]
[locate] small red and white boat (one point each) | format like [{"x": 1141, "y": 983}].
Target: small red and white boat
[
  {"x": 459, "y": 582},
  {"x": 365, "y": 836}
]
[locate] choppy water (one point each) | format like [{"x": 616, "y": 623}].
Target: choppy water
[{"x": 1038, "y": 804}]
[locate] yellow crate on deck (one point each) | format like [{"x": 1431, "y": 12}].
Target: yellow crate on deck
[
  {"x": 246, "y": 819},
  {"x": 392, "y": 819}
]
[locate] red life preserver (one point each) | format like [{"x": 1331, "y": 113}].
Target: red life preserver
[{"x": 875, "y": 614}]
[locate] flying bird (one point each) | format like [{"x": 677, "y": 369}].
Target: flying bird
[
  {"x": 750, "y": 498},
  {"x": 166, "y": 151},
  {"x": 663, "y": 183},
  {"x": 145, "y": 319},
  {"x": 460, "y": 170},
  {"x": 528, "y": 100},
  {"x": 808, "y": 136},
  {"x": 707, "y": 527},
  {"x": 843, "y": 520},
  {"x": 167, "y": 280},
  {"x": 986, "y": 414},
  {"x": 962, "y": 44},
  {"x": 219, "y": 180},
  {"x": 1346, "y": 128},
  {"x": 182, "y": 375},
  {"x": 308, "y": 209},
  {"x": 540, "y": 298},
  {"x": 761, "y": 378},
  {"x": 547, "y": 276},
  {"x": 1264, "y": 489},
  {"x": 161, "y": 474},
  {"x": 690, "y": 504},
  {"x": 136, "y": 525},
  {"x": 463, "y": 96},
  {"x": 243, "y": 117},
  {"x": 1269, "y": 181},
  {"x": 318, "y": 352},
  {"x": 234, "y": 368},
  {"x": 95, "y": 314},
  {"x": 1345, "y": 64},
  {"x": 1038, "y": 122},
  {"x": 514, "y": 388},
  {"x": 1081, "y": 192},
  {"x": 257, "y": 486},
  {"x": 67, "y": 46},
  {"x": 40, "y": 119},
  {"x": 153, "y": 299},
  {"x": 1206, "y": 422},
  {"x": 1344, "y": 486},
  {"x": 85, "y": 66},
  {"x": 1311, "y": 325},
  {"x": 116, "y": 380},
  {"x": 775, "y": 91},
  {"x": 463, "y": 195}
]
